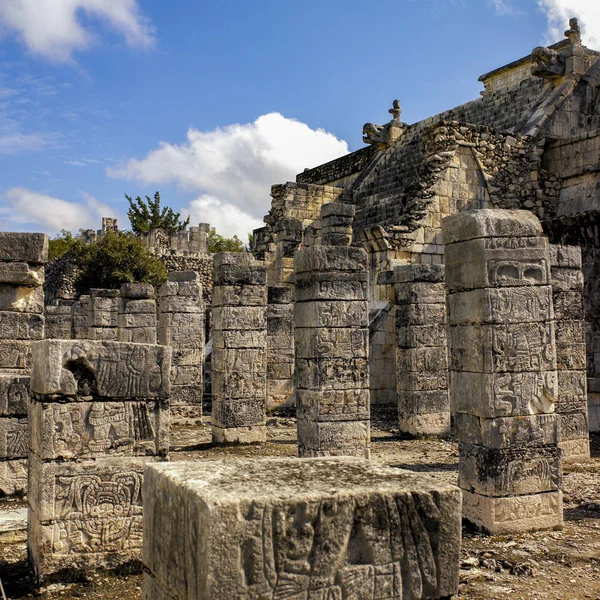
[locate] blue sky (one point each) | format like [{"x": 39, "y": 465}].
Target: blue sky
[{"x": 212, "y": 102}]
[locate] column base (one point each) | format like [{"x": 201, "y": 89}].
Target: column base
[
  {"x": 251, "y": 434},
  {"x": 431, "y": 425},
  {"x": 575, "y": 450}
]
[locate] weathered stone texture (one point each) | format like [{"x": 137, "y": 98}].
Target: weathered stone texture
[
  {"x": 567, "y": 292},
  {"x": 277, "y": 528},
  {"x": 421, "y": 353},
  {"x": 103, "y": 311},
  {"x": 239, "y": 360},
  {"x": 79, "y": 318},
  {"x": 58, "y": 322},
  {"x": 137, "y": 314},
  {"x": 181, "y": 325},
  {"x": 98, "y": 414},
  {"x": 504, "y": 384}
]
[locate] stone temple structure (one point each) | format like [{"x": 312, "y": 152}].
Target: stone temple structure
[{"x": 531, "y": 141}]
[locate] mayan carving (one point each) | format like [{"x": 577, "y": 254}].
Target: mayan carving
[
  {"x": 137, "y": 314},
  {"x": 332, "y": 341},
  {"x": 103, "y": 310},
  {"x": 239, "y": 363},
  {"x": 386, "y": 539},
  {"x": 98, "y": 414},
  {"x": 421, "y": 354},
  {"x": 504, "y": 384},
  {"x": 22, "y": 260},
  {"x": 181, "y": 326}
]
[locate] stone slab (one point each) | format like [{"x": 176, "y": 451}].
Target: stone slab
[
  {"x": 248, "y": 434},
  {"x": 333, "y": 405},
  {"x": 238, "y": 412},
  {"x": 14, "y": 394},
  {"x": 574, "y": 451},
  {"x": 332, "y": 342},
  {"x": 13, "y": 477},
  {"x": 239, "y": 295},
  {"x": 332, "y": 313},
  {"x": 118, "y": 369},
  {"x": 332, "y": 374},
  {"x": 23, "y": 247},
  {"x": 239, "y": 317},
  {"x": 21, "y": 274},
  {"x": 15, "y": 354},
  {"x": 425, "y": 425},
  {"x": 519, "y": 514},
  {"x": 333, "y": 438},
  {"x": 13, "y": 520},
  {"x": 331, "y": 285},
  {"x": 14, "y": 438},
  {"x": 330, "y": 258},
  {"x": 22, "y": 299},
  {"x": 365, "y": 529}
]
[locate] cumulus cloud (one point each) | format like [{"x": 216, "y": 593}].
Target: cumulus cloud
[
  {"x": 560, "y": 11},
  {"x": 232, "y": 168},
  {"x": 23, "y": 208},
  {"x": 55, "y": 29}
]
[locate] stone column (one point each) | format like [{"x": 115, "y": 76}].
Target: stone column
[
  {"x": 98, "y": 414},
  {"x": 331, "y": 331},
  {"x": 421, "y": 350},
  {"x": 567, "y": 294},
  {"x": 503, "y": 370},
  {"x": 79, "y": 318},
  {"x": 137, "y": 314},
  {"x": 280, "y": 348},
  {"x": 181, "y": 326},
  {"x": 239, "y": 359},
  {"x": 22, "y": 259},
  {"x": 204, "y": 232},
  {"x": 58, "y": 322},
  {"x": 103, "y": 311}
]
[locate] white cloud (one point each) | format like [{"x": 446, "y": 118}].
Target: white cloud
[
  {"x": 22, "y": 208},
  {"x": 560, "y": 11},
  {"x": 233, "y": 168},
  {"x": 504, "y": 8},
  {"x": 54, "y": 28},
  {"x": 11, "y": 143}
]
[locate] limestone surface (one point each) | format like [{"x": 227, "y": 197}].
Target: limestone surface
[{"x": 314, "y": 528}]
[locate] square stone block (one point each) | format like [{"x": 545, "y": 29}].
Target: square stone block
[
  {"x": 333, "y": 405},
  {"x": 332, "y": 313},
  {"x": 419, "y": 292},
  {"x": 138, "y": 335},
  {"x": 106, "y": 334},
  {"x": 238, "y": 412},
  {"x": 183, "y": 321},
  {"x": 240, "y": 339},
  {"x": 15, "y": 354},
  {"x": 574, "y": 451},
  {"x": 14, "y": 394},
  {"x": 331, "y": 285},
  {"x": 187, "y": 394},
  {"x": 114, "y": 369},
  {"x": 517, "y": 514},
  {"x": 503, "y": 348},
  {"x": 331, "y": 342},
  {"x": 367, "y": 531},
  {"x": 419, "y": 336},
  {"x": 137, "y": 320},
  {"x": 186, "y": 374},
  {"x": 14, "y": 438},
  {"x": 420, "y": 380},
  {"x": 501, "y": 305},
  {"x": 572, "y": 391},
  {"x": 573, "y": 425},
  {"x": 568, "y": 306},
  {"x": 23, "y": 247},
  {"x": 23, "y": 299},
  {"x": 21, "y": 274},
  {"x": 565, "y": 257},
  {"x": 424, "y": 402},
  {"x": 425, "y": 425},
  {"x": 422, "y": 360},
  {"x": 239, "y": 295},
  {"x": 509, "y": 471},
  {"x": 181, "y": 304},
  {"x": 13, "y": 476},
  {"x": 504, "y": 394},
  {"x": 22, "y": 326},
  {"x": 330, "y": 258},
  {"x": 506, "y": 432},
  {"x": 567, "y": 280},
  {"x": 239, "y": 317},
  {"x": 97, "y": 429},
  {"x": 332, "y": 373},
  {"x": 420, "y": 314}
]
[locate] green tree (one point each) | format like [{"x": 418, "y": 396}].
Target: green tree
[
  {"x": 62, "y": 243},
  {"x": 145, "y": 215},
  {"x": 116, "y": 259},
  {"x": 218, "y": 243}
]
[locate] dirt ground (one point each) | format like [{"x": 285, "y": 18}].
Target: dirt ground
[{"x": 556, "y": 565}]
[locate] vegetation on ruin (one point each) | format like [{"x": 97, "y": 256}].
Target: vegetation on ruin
[
  {"x": 116, "y": 259},
  {"x": 62, "y": 243},
  {"x": 145, "y": 215},
  {"x": 219, "y": 243}
]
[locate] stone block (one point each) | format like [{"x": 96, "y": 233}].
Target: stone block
[
  {"x": 137, "y": 290},
  {"x": 509, "y": 471},
  {"x": 23, "y": 247},
  {"x": 107, "y": 334},
  {"x": 14, "y": 394},
  {"x": 187, "y": 395},
  {"x": 187, "y": 374},
  {"x": 333, "y": 313},
  {"x": 419, "y": 336},
  {"x": 138, "y": 335},
  {"x": 468, "y": 225},
  {"x": 507, "y": 432},
  {"x": 501, "y": 305},
  {"x": 14, "y": 438},
  {"x": 333, "y": 438},
  {"x": 181, "y": 304},
  {"x": 332, "y": 374},
  {"x": 15, "y": 354},
  {"x": 331, "y": 285},
  {"x": 571, "y": 357},
  {"x": 573, "y": 425},
  {"x": 514, "y": 347},
  {"x": 23, "y": 299},
  {"x": 115, "y": 370},
  {"x": 418, "y": 272},
  {"x": 137, "y": 320},
  {"x": 504, "y": 394},
  {"x": 567, "y": 280},
  {"x": 241, "y": 339},
  {"x": 565, "y": 257},
  {"x": 239, "y": 295},
  {"x": 238, "y": 412},
  {"x": 377, "y": 533},
  {"x": 333, "y": 405},
  {"x": 239, "y": 317},
  {"x": 572, "y": 392},
  {"x": 134, "y": 306},
  {"x": 420, "y": 292},
  {"x": 80, "y": 429},
  {"x": 182, "y": 320},
  {"x": 568, "y": 306},
  {"x": 332, "y": 342},
  {"x": 420, "y": 314},
  {"x": 422, "y": 360},
  {"x": 13, "y": 477},
  {"x": 425, "y": 425},
  {"x": 517, "y": 514},
  {"x": 330, "y": 258},
  {"x": 184, "y": 277},
  {"x": 420, "y": 380},
  {"x": 280, "y": 295},
  {"x": 575, "y": 450},
  {"x": 21, "y": 274}
]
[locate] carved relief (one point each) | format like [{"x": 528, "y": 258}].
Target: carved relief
[{"x": 516, "y": 272}]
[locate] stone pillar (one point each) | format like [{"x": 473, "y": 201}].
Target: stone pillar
[
  {"x": 204, "y": 232},
  {"x": 181, "y": 326},
  {"x": 239, "y": 357},
  {"x": 79, "y": 318},
  {"x": 503, "y": 370},
  {"x": 421, "y": 350},
  {"x": 103, "y": 311},
  {"x": 331, "y": 332},
  {"x": 137, "y": 314},
  {"x": 98, "y": 415},
  {"x": 22, "y": 259},
  {"x": 280, "y": 348},
  {"x": 194, "y": 240},
  {"x": 567, "y": 294},
  {"x": 58, "y": 322}
]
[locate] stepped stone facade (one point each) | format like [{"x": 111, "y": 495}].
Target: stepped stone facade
[
  {"x": 22, "y": 260},
  {"x": 504, "y": 384},
  {"x": 239, "y": 359},
  {"x": 98, "y": 414},
  {"x": 280, "y": 528},
  {"x": 531, "y": 142}
]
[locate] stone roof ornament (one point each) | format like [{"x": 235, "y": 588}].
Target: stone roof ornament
[
  {"x": 396, "y": 111},
  {"x": 384, "y": 136},
  {"x": 574, "y": 32}
]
